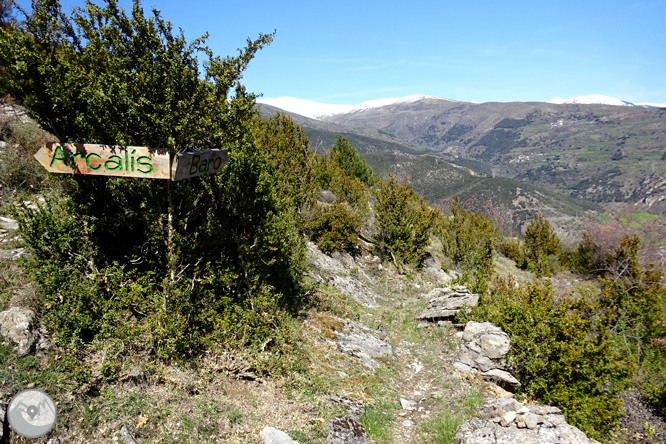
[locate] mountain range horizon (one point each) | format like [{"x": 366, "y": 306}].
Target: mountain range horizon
[{"x": 316, "y": 110}]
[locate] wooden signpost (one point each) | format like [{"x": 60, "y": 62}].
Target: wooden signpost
[
  {"x": 105, "y": 160},
  {"x": 198, "y": 163},
  {"x": 129, "y": 161}
]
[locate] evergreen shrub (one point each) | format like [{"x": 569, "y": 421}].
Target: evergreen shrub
[
  {"x": 335, "y": 227},
  {"x": 404, "y": 221},
  {"x": 561, "y": 352}
]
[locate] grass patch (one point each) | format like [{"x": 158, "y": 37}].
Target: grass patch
[
  {"x": 643, "y": 217},
  {"x": 442, "y": 427},
  {"x": 377, "y": 421}
]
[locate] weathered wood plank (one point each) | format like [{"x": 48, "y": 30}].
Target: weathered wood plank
[
  {"x": 105, "y": 160},
  {"x": 198, "y": 163}
]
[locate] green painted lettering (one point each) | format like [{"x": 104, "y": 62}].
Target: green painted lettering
[
  {"x": 218, "y": 162},
  {"x": 88, "y": 162},
  {"x": 62, "y": 157},
  {"x": 112, "y": 164},
  {"x": 202, "y": 167},
  {"x": 139, "y": 162},
  {"x": 133, "y": 151},
  {"x": 194, "y": 166}
]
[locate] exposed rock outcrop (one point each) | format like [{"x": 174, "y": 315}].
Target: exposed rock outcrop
[
  {"x": 271, "y": 435},
  {"x": 363, "y": 343},
  {"x": 17, "y": 326},
  {"x": 354, "y": 339},
  {"x": 356, "y": 290},
  {"x": 504, "y": 421},
  {"x": 346, "y": 430},
  {"x": 484, "y": 347},
  {"x": 445, "y": 303},
  {"x": 432, "y": 269}
]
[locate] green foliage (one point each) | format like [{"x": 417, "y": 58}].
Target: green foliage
[
  {"x": 171, "y": 267},
  {"x": 498, "y": 141},
  {"x": 469, "y": 239},
  {"x": 560, "y": 352},
  {"x": 512, "y": 123},
  {"x": 289, "y": 154},
  {"x": 404, "y": 221},
  {"x": 344, "y": 155},
  {"x": 586, "y": 258},
  {"x": 540, "y": 243},
  {"x": 335, "y": 227},
  {"x": 347, "y": 188},
  {"x": 510, "y": 248},
  {"x": 633, "y": 300},
  {"x": 456, "y": 132},
  {"x": 376, "y": 423},
  {"x": 443, "y": 427}
]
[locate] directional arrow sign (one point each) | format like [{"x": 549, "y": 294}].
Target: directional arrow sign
[
  {"x": 105, "y": 160},
  {"x": 198, "y": 163}
]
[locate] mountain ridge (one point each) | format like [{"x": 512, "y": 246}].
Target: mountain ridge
[
  {"x": 599, "y": 152},
  {"x": 318, "y": 110}
]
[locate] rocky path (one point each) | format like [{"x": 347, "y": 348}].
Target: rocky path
[
  {"x": 436, "y": 377},
  {"x": 389, "y": 371}
]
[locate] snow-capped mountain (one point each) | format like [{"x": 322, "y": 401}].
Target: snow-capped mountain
[
  {"x": 652, "y": 105},
  {"x": 316, "y": 110},
  {"x": 592, "y": 99},
  {"x": 598, "y": 99}
]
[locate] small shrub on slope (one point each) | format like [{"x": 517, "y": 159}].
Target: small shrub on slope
[
  {"x": 404, "y": 221},
  {"x": 561, "y": 353},
  {"x": 334, "y": 227},
  {"x": 469, "y": 239},
  {"x": 540, "y": 243}
]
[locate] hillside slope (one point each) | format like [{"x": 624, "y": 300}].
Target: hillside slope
[{"x": 597, "y": 152}]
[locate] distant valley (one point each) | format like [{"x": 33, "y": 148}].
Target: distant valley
[{"x": 559, "y": 159}]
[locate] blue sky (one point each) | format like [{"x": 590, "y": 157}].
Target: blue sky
[{"x": 348, "y": 52}]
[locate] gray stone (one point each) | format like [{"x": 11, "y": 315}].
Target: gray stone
[
  {"x": 12, "y": 254},
  {"x": 3, "y": 418},
  {"x": 445, "y": 303},
  {"x": 356, "y": 290},
  {"x": 362, "y": 343},
  {"x": 8, "y": 224},
  {"x": 462, "y": 367},
  {"x": 271, "y": 435},
  {"x": 346, "y": 430},
  {"x": 532, "y": 421},
  {"x": 407, "y": 404},
  {"x": 326, "y": 197},
  {"x": 484, "y": 346},
  {"x": 501, "y": 377},
  {"x": 323, "y": 262},
  {"x": 507, "y": 419},
  {"x": 354, "y": 408},
  {"x": 16, "y": 326},
  {"x": 126, "y": 435},
  {"x": 503, "y": 421},
  {"x": 432, "y": 269}
]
